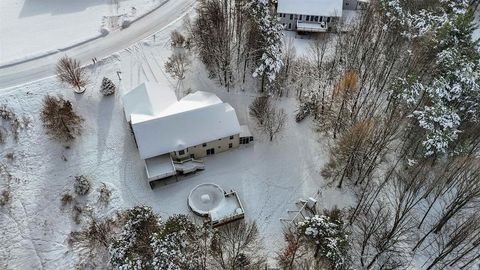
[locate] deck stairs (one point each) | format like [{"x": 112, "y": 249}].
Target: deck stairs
[{"x": 188, "y": 165}]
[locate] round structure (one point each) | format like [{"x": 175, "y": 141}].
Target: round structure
[{"x": 205, "y": 198}]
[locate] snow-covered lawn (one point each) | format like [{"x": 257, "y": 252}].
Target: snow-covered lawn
[
  {"x": 269, "y": 177},
  {"x": 30, "y": 28}
]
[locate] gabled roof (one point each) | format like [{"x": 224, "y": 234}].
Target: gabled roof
[
  {"x": 311, "y": 7},
  {"x": 195, "y": 119},
  {"x": 139, "y": 100}
]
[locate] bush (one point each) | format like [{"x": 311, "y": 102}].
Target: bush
[
  {"x": 105, "y": 194},
  {"x": 67, "y": 198},
  {"x": 108, "y": 87},
  {"x": 81, "y": 185},
  {"x": 7, "y": 115},
  {"x": 77, "y": 212},
  {"x": 59, "y": 119},
  {"x": 177, "y": 40},
  {"x": 5, "y": 197},
  {"x": 10, "y": 156}
]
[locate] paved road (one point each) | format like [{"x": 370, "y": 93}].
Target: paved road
[{"x": 115, "y": 41}]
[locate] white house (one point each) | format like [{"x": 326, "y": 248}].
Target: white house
[
  {"x": 171, "y": 135},
  {"x": 313, "y": 15}
]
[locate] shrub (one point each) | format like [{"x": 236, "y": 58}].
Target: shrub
[
  {"x": 77, "y": 213},
  {"x": 98, "y": 233},
  {"x": 105, "y": 194},
  {"x": 5, "y": 197},
  {"x": 59, "y": 119},
  {"x": 108, "y": 87},
  {"x": 67, "y": 198},
  {"x": 7, "y": 115},
  {"x": 81, "y": 185},
  {"x": 177, "y": 40},
  {"x": 10, "y": 156}
]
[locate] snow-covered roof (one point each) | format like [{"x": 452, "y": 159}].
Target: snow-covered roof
[
  {"x": 197, "y": 118},
  {"x": 245, "y": 131},
  {"x": 148, "y": 98},
  {"x": 311, "y": 7}
]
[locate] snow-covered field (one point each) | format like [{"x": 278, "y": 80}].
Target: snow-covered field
[
  {"x": 268, "y": 176},
  {"x": 30, "y": 28}
]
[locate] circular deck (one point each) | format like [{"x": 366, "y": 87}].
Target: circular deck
[{"x": 205, "y": 198}]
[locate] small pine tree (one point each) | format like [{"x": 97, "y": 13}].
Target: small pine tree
[
  {"x": 108, "y": 87},
  {"x": 70, "y": 71}
]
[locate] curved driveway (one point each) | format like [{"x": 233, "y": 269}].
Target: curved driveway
[{"x": 39, "y": 68}]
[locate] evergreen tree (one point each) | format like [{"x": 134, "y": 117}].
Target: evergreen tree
[
  {"x": 448, "y": 100},
  {"x": 108, "y": 87}
]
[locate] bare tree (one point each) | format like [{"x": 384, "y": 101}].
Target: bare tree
[
  {"x": 70, "y": 71},
  {"x": 177, "y": 65},
  {"x": 274, "y": 122},
  {"x": 459, "y": 247},
  {"x": 59, "y": 119},
  {"x": 259, "y": 108},
  {"x": 237, "y": 246},
  {"x": 270, "y": 119}
]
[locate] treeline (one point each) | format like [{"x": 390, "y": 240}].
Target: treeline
[
  {"x": 236, "y": 39},
  {"x": 399, "y": 96}
]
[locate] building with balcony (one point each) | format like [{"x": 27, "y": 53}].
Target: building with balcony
[{"x": 313, "y": 15}]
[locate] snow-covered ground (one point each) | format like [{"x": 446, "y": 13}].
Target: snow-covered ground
[
  {"x": 30, "y": 28},
  {"x": 268, "y": 176}
]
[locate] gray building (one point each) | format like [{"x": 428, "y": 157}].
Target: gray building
[{"x": 313, "y": 15}]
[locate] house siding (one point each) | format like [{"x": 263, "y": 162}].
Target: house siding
[
  {"x": 289, "y": 21},
  {"x": 199, "y": 151}
]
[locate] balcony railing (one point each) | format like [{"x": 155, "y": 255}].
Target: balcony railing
[{"x": 312, "y": 26}]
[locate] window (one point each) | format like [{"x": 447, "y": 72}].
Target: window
[
  {"x": 231, "y": 137},
  {"x": 301, "y": 17},
  {"x": 192, "y": 156},
  {"x": 308, "y": 18},
  {"x": 289, "y": 26},
  {"x": 321, "y": 19},
  {"x": 181, "y": 152},
  {"x": 291, "y": 16},
  {"x": 251, "y": 138},
  {"x": 210, "y": 151},
  {"x": 244, "y": 140},
  {"x": 279, "y": 14},
  {"x": 204, "y": 145},
  {"x": 328, "y": 19},
  {"x": 230, "y": 145},
  {"x": 316, "y": 19}
]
